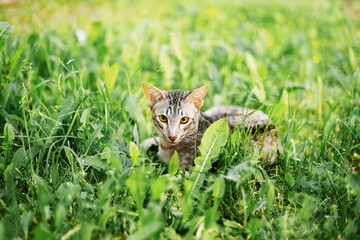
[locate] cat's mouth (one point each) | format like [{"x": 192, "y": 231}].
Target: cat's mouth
[{"x": 174, "y": 141}]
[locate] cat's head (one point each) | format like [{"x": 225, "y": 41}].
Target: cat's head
[{"x": 175, "y": 113}]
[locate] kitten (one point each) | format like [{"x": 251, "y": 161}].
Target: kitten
[{"x": 177, "y": 117}]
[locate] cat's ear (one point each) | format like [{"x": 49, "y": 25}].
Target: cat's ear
[
  {"x": 152, "y": 93},
  {"x": 197, "y": 96}
]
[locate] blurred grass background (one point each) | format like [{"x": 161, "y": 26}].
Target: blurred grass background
[{"x": 71, "y": 102}]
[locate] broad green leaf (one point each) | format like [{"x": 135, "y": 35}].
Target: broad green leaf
[
  {"x": 351, "y": 229},
  {"x": 60, "y": 216},
  {"x": 41, "y": 182},
  {"x": 67, "y": 192},
  {"x": 219, "y": 187},
  {"x": 8, "y": 175},
  {"x": 111, "y": 75},
  {"x": 187, "y": 201},
  {"x": 213, "y": 140},
  {"x": 54, "y": 174},
  {"x": 354, "y": 181},
  {"x": 110, "y": 159},
  {"x": 95, "y": 134},
  {"x": 289, "y": 179},
  {"x": 9, "y": 133},
  {"x": 115, "y": 163},
  {"x": 4, "y": 95},
  {"x": 86, "y": 230},
  {"x": 211, "y": 216},
  {"x": 137, "y": 185},
  {"x": 158, "y": 186},
  {"x": 174, "y": 164},
  {"x": 259, "y": 92},
  {"x": 2, "y": 203},
  {"x": 5, "y": 30},
  {"x": 42, "y": 232},
  {"x": 26, "y": 220},
  {"x": 85, "y": 116},
  {"x": 106, "y": 154},
  {"x": 16, "y": 161},
  {"x": 38, "y": 139},
  {"x": 44, "y": 195},
  {"x": 147, "y": 232},
  {"x": 242, "y": 171},
  {"x": 136, "y": 134},
  {"x": 254, "y": 225},
  {"x": 309, "y": 208},
  {"x": 93, "y": 161},
  {"x": 134, "y": 153}
]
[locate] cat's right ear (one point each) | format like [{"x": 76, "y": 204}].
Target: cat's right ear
[{"x": 152, "y": 93}]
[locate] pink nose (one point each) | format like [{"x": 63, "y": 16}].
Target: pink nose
[{"x": 172, "y": 138}]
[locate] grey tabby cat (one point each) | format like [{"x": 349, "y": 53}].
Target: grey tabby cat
[{"x": 177, "y": 117}]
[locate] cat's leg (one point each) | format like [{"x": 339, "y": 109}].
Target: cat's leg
[
  {"x": 165, "y": 151},
  {"x": 147, "y": 143},
  {"x": 186, "y": 153}
]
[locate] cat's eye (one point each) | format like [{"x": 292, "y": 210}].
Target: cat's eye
[
  {"x": 184, "y": 120},
  {"x": 163, "y": 118}
]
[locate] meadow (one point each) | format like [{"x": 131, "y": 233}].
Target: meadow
[{"x": 73, "y": 115}]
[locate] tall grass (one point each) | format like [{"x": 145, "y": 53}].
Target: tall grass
[{"x": 71, "y": 109}]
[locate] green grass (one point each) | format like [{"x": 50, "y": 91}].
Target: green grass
[{"x": 71, "y": 106}]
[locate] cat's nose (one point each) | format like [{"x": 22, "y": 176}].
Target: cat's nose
[{"x": 172, "y": 138}]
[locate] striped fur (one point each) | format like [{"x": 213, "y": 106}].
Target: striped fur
[{"x": 176, "y": 105}]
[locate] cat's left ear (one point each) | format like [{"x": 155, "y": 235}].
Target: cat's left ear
[
  {"x": 197, "y": 96},
  {"x": 152, "y": 93}
]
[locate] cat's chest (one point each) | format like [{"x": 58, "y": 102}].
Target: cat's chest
[{"x": 186, "y": 151}]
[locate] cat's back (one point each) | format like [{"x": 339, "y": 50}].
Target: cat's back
[
  {"x": 265, "y": 137},
  {"x": 239, "y": 115}
]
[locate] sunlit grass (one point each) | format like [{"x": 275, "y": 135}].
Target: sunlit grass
[{"x": 71, "y": 104}]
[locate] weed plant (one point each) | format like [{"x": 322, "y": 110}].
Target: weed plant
[{"x": 73, "y": 115}]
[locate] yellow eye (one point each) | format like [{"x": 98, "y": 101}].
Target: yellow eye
[
  {"x": 163, "y": 118},
  {"x": 184, "y": 120}
]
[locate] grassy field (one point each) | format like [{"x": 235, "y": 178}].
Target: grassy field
[{"x": 72, "y": 107}]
